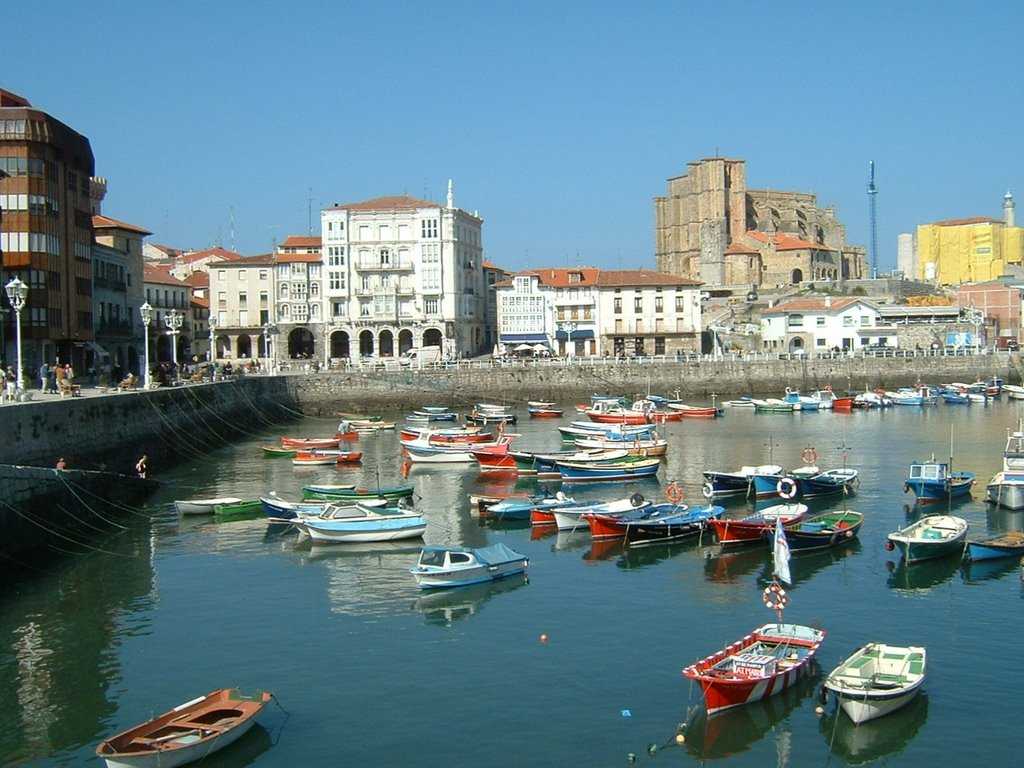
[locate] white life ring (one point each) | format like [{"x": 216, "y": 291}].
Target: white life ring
[
  {"x": 708, "y": 490},
  {"x": 786, "y": 487},
  {"x": 775, "y": 597}
]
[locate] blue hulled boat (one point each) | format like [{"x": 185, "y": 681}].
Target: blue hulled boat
[
  {"x": 934, "y": 481},
  {"x": 806, "y": 483},
  {"x": 572, "y": 471}
]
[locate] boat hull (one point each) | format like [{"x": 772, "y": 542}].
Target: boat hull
[
  {"x": 203, "y": 506},
  {"x": 334, "y": 492},
  {"x": 441, "y": 568},
  {"x": 1006, "y": 490},
  {"x": 387, "y": 528},
  {"x": 187, "y": 733},
  {"x": 930, "y": 537},
  {"x": 572, "y": 472},
  {"x": 760, "y": 665},
  {"x": 751, "y": 529},
  {"x": 1009, "y": 544},
  {"x": 877, "y": 680}
]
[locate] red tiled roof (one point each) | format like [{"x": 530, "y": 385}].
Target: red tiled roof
[
  {"x": 301, "y": 241},
  {"x": 388, "y": 203},
  {"x": 201, "y": 302},
  {"x": 784, "y": 242},
  {"x": 198, "y": 279},
  {"x": 738, "y": 248},
  {"x": 641, "y": 277},
  {"x": 218, "y": 253},
  {"x": 167, "y": 250},
  {"x": 105, "y": 222},
  {"x": 813, "y": 305},
  {"x": 159, "y": 273}
]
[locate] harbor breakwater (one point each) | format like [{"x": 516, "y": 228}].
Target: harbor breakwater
[{"x": 111, "y": 432}]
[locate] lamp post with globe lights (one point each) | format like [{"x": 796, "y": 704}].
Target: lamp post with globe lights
[
  {"x": 17, "y": 293},
  {"x": 146, "y": 311},
  {"x": 173, "y": 321},
  {"x": 212, "y": 322}
]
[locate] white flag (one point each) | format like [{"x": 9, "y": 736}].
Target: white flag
[{"x": 780, "y": 552}]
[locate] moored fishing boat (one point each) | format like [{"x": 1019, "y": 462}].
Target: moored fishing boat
[
  {"x": 695, "y": 411},
  {"x": 828, "y": 529},
  {"x": 572, "y": 471},
  {"x": 240, "y": 510},
  {"x": 1006, "y": 488},
  {"x": 278, "y": 452},
  {"x": 995, "y": 545},
  {"x": 807, "y": 483},
  {"x": 877, "y": 679},
  {"x": 934, "y": 481},
  {"x": 737, "y": 482},
  {"x": 359, "y": 523},
  {"x": 522, "y": 507},
  {"x": 572, "y": 518},
  {"x": 203, "y": 506},
  {"x": 189, "y": 732},
  {"x": 544, "y": 464},
  {"x": 765, "y": 662},
  {"x": 310, "y": 443},
  {"x": 331, "y": 492},
  {"x": 545, "y": 412},
  {"x": 653, "y": 446},
  {"x": 930, "y": 537},
  {"x": 657, "y": 524},
  {"x": 326, "y": 457},
  {"x": 751, "y": 529},
  {"x": 460, "y": 566}
]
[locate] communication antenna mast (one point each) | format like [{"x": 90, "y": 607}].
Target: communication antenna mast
[{"x": 873, "y": 242}]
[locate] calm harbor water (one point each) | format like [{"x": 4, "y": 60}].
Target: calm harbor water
[{"x": 368, "y": 670}]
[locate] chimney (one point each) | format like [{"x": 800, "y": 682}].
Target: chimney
[{"x": 1008, "y": 209}]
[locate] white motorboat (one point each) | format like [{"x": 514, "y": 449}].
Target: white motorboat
[
  {"x": 1006, "y": 488},
  {"x": 459, "y": 566},
  {"x": 202, "y": 506}
]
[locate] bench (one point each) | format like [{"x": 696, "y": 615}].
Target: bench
[
  {"x": 68, "y": 388},
  {"x": 127, "y": 383}
]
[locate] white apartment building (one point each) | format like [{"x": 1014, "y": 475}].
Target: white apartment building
[
  {"x": 400, "y": 273},
  {"x": 586, "y": 311},
  {"x": 242, "y": 309},
  {"x": 820, "y": 325}
]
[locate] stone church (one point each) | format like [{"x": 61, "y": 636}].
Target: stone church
[{"x": 711, "y": 227}]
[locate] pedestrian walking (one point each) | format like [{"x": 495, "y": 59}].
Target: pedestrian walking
[
  {"x": 51, "y": 378},
  {"x": 44, "y": 376}
]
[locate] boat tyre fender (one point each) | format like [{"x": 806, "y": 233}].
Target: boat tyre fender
[
  {"x": 674, "y": 493},
  {"x": 786, "y": 488},
  {"x": 809, "y": 455},
  {"x": 707, "y": 490},
  {"x": 775, "y": 597},
  {"x": 906, "y": 487},
  {"x": 636, "y": 499}
]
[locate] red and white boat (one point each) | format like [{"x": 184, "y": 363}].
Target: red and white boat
[
  {"x": 325, "y": 457},
  {"x": 310, "y": 443},
  {"x": 751, "y": 529},
  {"x": 701, "y": 411},
  {"x": 758, "y": 666},
  {"x": 454, "y": 435},
  {"x": 495, "y": 457}
]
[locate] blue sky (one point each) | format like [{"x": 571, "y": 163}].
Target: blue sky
[{"x": 559, "y": 122}]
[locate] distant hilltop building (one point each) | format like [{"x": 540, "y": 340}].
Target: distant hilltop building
[
  {"x": 971, "y": 250},
  {"x": 710, "y": 227}
]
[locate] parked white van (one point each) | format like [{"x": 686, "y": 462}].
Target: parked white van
[{"x": 420, "y": 356}]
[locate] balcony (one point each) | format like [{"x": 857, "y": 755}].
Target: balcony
[{"x": 392, "y": 266}]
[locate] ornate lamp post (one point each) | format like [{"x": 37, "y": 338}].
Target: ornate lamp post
[
  {"x": 568, "y": 328},
  {"x": 17, "y": 292},
  {"x": 212, "y": 322},
  {"x": 173, "y": 320},
  {"x": 147, "y": 316},
  {"x": 269, "y": 330}
]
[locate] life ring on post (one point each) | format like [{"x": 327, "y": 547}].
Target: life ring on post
[
  {"x": 786, "y": 487},
  {"x": 674, "y": 493},
  {"x": 708, "y": 490},
  {"x": 809, "y": 455},
  {"x": 775, "y": 597}
]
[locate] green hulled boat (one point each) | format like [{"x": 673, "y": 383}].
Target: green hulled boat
[
  {"x": 277, "y": 452},
  {"x": 240, "y": 510},
  {"x": 351, "y": 492}
]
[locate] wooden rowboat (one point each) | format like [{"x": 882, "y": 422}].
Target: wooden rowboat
[
  {"x": 189, "y": 732},
  {"x": 310, "y": 443}
]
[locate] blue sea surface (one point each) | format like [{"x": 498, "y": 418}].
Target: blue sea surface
[{"x": 577, "y": 664}]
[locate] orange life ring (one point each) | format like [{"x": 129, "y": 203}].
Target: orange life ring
[
  {"x": 501, "y": 428},
  {"x": 674, "y": 493},
  {"x": 809, "y": 455},
  {"x": 775, "y": 597},
  {"x": 786, "y": 487}
]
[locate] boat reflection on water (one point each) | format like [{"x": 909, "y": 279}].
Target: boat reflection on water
[
  {"x": 731, "y": 565},
  {"x": 972, "y": 571},
  {"x": 568, "y": 541},
  {"x": 732, "y": 731},
  {"x": 446, "y": 606},
  {"x": 635, "y": 558},
  {"x": 364, "y": 578},
  {"x": 502, "y": 523},
  {"x": 603, "y": 549},
  {"x": 875, "y": 739},
  {"x": 920, "y": 577},
  {"x": 245, "y": 751}
]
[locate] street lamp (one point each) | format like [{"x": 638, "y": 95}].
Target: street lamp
[
  {"x": 269, "y": 330},
  {"x": 147, "y": 316},
  {"x": 173, "y": 320},
  {"x": 17, "y": 292},
  {"x": 212, "y": 322},
  {"x": 568, "y": 328}
]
